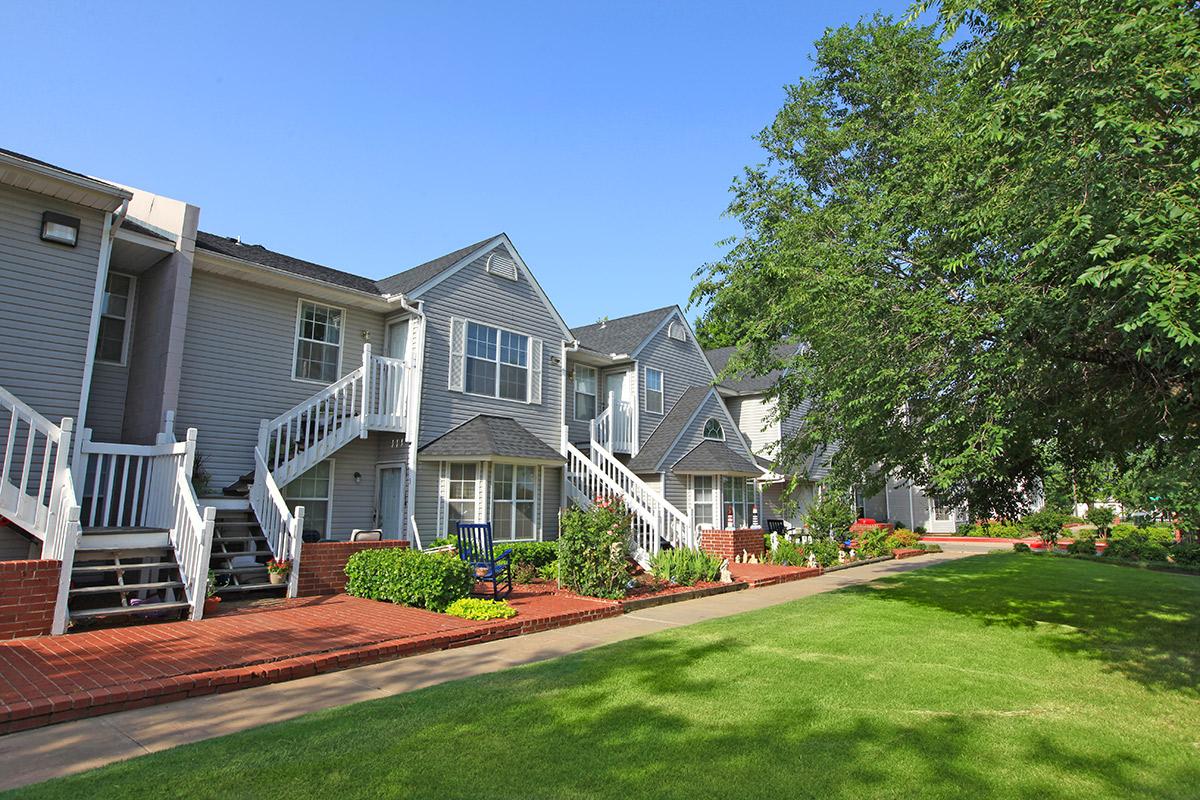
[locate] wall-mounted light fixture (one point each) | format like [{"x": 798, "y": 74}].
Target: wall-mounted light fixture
[
  {"x": 358, "y": 477},
  {"x": 60, "y": 229}
]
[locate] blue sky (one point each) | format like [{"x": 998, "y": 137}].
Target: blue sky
[{"x": 601, "y": 137}]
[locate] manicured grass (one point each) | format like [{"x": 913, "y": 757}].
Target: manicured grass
[{"x": 995, "y": 676}]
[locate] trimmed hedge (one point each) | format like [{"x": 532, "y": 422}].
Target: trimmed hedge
[{"x": 409, "y": 577}]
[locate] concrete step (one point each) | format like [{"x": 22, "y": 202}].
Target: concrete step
[
  {"x": 126, "y": 588},
  {"x": 114, "y": 611}
]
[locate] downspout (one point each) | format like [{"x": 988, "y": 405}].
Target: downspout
[
  {"x": 413, "y": 425},
  {"x": 567, "y": 347},
  {"x": 112, "y": 221}
]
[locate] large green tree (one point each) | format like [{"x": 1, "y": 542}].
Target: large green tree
[{"x": 985, "y": 231}]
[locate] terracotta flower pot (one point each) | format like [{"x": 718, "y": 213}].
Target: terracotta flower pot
[
  {"x": 210, "y": 604},
  {"x": 277, "y": 577}
]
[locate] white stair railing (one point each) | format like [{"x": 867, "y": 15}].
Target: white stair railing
[
  {"x": 674, "y": 526},
  {"x": 190, "y": 527},
  {"x": 388, "y": 400},
  {"x": 586, "y": 481},
  {"x": 131, "y": 485},
  {"x": 613, "y": 427},
  {"x": 35, "y": 465},
  {"x": 281, "y": 528}
]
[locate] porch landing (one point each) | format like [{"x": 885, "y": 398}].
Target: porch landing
[{"x": 47, "y": 680}]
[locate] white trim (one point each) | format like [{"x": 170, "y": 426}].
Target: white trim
[
  {"x": 662, "y": 390},
  {"x": 712, "y": 391},
  {"x": 529, "y": 339},
  {"x": 704, "y": 433},
  {"x": 413, "y": 428},
  {"x": 502, "y": 239},
  {"x": 300, "y": 301},
  {"x": 88, "y": 184},
  {"x": 127, "y": 333},
  {"x": 221, "y": 264},
  {"x": 537, "y": 497},
  {"x": 89, "y": 358}
]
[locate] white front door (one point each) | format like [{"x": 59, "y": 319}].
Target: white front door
[
  {"x": 390, "y": 508},
  {"x": 941, "y": 519},
  {"x": 618, "y": 385},
  {"x": 397, "y": 340}
]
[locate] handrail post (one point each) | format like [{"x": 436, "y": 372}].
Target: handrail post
[
  {"x": 70, "y": 532},
  {"x": 200, "y": 579},
  {"x": 366, "y": 402},
  {"x": 189, "y": 453},
  {"x": 263, "y": 427},
  {"x": 295, "y": 547},
  {"x": 62, "y": 474}
]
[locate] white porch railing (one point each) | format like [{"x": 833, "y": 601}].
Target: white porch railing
[
  {"x": 585, "y": 481},
  {"x": 673, "y": 525},
  {"x": 191, "y": 527},
  {"x": 374, "y": 396},
  {"x": 281, "y": 528},
  {"x": 613, "y": 427},
  {"x": 36, "y": 458},
  {"x": 130, "y": 485}
]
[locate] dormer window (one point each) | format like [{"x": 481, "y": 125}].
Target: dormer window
[{"x": 713, "y": 430}]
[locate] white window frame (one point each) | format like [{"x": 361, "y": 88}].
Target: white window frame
[
  {"x": 595, "y": 395},
  {"x": 296, "y": 341},
  {"x": 472, "y": 484},
  {"x": 127, "y": 319},
  {"x": 750, "y": 500},
  {"x": 512, "y": 503},
  {"x": 496, "y": 384},
  {"x": 714, "y": 505},
  {"x": 328, "y": 501},
  {"x": 720, "y": 427},
  {"x": 661, "y": 392}
]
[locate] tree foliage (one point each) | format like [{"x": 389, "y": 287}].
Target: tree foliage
[{"x": 986, "y": 233}]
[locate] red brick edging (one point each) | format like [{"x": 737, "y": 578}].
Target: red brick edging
[{"x": 28, "y": 592}]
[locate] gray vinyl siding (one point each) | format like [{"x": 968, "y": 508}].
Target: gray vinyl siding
[
  {"x": 899, "y": 508},
  {"x": 46, "y": 295},
  {"x": 551, "y": 501},
  {"x": 237, "y": 366},
  {"x": 479, "y": 296},
  {"x": 426, "y": 501},
  {"x": 106, "y": 402},
  {"x": 353, "y": 503},
  {"x": 774, "y": 506},
  {"x": 675, "y": 491},
  {"x": 579, "y": 432},
  {"x": 683, "y": 364},
  {"x": 16, "y": 547},
  {"x": 752, "y": 415},
  {"x": 694, "y": 434}
]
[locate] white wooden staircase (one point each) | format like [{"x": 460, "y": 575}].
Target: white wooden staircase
[{"x": 376, "y": 396}]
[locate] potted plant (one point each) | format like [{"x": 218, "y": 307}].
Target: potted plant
[
  {"x": 211, "y": 601},
  {"x": 278, "y": 571}
]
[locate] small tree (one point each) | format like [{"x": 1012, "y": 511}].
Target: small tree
[
  {"x": 831, "y": 515},
  {"x": 1102, "y": 518},
  {"x": 1047, "y": 524},
  {"x": 593, "y": 549}
]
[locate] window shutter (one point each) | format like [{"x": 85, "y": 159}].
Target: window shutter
[
  {"x": 691, "y": 496},
  {"x": 483, "y": 479},
  {"x": 443, "y": 499},
  {"x": 458, "y": 346},
  {"x": 535, "y": 371}
]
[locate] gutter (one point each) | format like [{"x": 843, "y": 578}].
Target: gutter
[{"x": 412, "y": 427}]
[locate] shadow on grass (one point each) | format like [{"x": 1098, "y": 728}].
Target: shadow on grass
[
  {"x": 1144, "y": 625},
  {"x": 644, "y": 719}
]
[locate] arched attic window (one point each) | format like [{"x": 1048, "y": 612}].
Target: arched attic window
[{"x": 713, "y": 430}]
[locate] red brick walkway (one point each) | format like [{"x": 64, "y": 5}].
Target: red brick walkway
[
  {"x": 53, "y": 679},
  {"x": 769, "y": 574}
]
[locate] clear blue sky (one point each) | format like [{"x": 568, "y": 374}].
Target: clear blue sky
[{"x": 601, "y": 137}]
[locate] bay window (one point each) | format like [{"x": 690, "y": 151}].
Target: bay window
[
  {"x": 738, "y": 494},
  {"x": 460, "y": 497},
  {"x": 704, "y": 501},
  {"x": 514, "y": 501}
]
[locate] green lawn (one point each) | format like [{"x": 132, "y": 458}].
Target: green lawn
[{"x": 994, "y": 676}]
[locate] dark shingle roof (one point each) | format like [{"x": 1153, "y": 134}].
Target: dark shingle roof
[
  {"x": 490, "y": 437},
  {"x": 41, "y": 163},
  {"x": 711, "y": 456},
  {"x": 257, "y": 254},
  {"x": 745, "y": 384},
  {"x": 621, "y": 335},
  {"x": 131, "y": 224},
  {"x": 396, "y": 284},
  {"x": 412, "y": 278},
  {"x": 651, "y": 454}
]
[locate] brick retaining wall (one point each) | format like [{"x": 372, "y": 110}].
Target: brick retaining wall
[
  {"x": 28, "y": 590},
  {"x": 323, "y": 564},
  {"x": 730, "y": 544}
]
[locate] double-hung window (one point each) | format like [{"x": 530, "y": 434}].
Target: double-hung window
[
  {"x": 738, "y": 494},
  {"x": 585, "y": 393},
  {"x": 112, "y": 341},
  {"x": 318, "y": 342},
  {"x": 497, "y": 363},
  {"x": 514, "y": 500},
  {"x": 704, "y": 498},
  {"x": 460, "y": 499},
  {"x": 654, "y": 390},
  {"x": 312, "y": 490}
]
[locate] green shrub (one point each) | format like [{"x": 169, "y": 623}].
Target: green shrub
[
  {"x": 832, "y": 513},
  {"x": 408, "y": 577},
  {"x": 549, "y": 572},
  {"x": 478, "y": 608},
  {"x": 1137, "y": 544},
  {"x": 919, "y": 530},
  {"x": 874, "y": 543},
  {"x": 593, "y": 549},
  {"x": 449, "y": 540},
  {"x": 823, "y": 549},
  {"x": 786, "y": 554},
  {"x": 1021, "y": 547},
  {"x": 1102, "y": 518},
  {"x": 1083, "y": 546},
  {"x": 902, "y": 538},
  {"x": 1185, "y": 554},
  {"x": 684, "y": 566},
  {"x": 528, "y": 558},
  {"x": 1046, "y": 523},
  {"x": 930, "y": 547}
]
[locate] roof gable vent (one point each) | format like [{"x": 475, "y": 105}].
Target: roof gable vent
[
  {"x": 675, "y": 331},
  {"x": 500, "y": 264}
]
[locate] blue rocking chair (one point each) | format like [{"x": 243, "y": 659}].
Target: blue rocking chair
[{"x": 475, "y": 548}]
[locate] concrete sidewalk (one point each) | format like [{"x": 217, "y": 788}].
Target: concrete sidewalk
[{"x": 70, "y": 747}]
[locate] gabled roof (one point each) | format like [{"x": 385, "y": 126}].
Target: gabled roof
[
  {"x": 489, "y": 437},
  {"x": 257, "y": 254},
  {"x": 34, "y": 175},
  {"x": 405, "y": 282},
  {"x": 715, "y": 457},
  {"x": 651, "y": 454},
  {"x": 745, "y": 384},
  {"x": 622, "y": 335}
]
